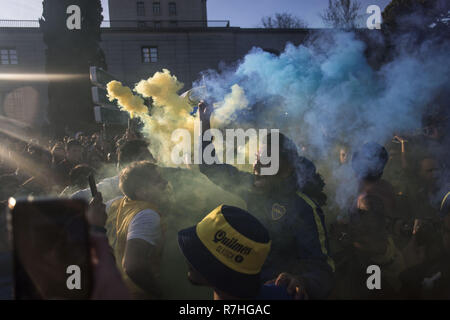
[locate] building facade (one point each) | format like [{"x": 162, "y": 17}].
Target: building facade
[
  {"x": 23, "y": 94},
  {"x": 132, "y": 55},
  {"x": 133, "y": 52},
  {"x": 158, "y": 14}
]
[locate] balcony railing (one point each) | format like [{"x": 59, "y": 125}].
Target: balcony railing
[
  {"x": 155, "y": 24},
  {"x": 131, "y": 24},
  {"x": 19, "y": 24}
]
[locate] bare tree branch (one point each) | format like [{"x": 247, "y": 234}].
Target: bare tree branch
[
  {"x": 283, "y": 21},
  {"x": 342, "y": 14}
]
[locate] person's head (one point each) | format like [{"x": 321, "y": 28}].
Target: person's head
[
  {"x": 58, "y": 151},
  {"x": 428, "y": 172},
  {"x": 287, "y": 155},
  {"x": 226, "y": 251},
  {"x": 20, "y": 146},
  {"x": 95, "y": 159},
  {"x": 74, "y": 151},
  {"x": 367, "y": 225},
  {"x": 142, "y": 180},
  {"x": 134, "y": 150},
  {"x": 369, "y": 161},
  {"x": 42, "y": 157},
  {"x": 291, "y": 166},
  {"x": 434, "y": 126},
  {"x": 78, "y": 176},
  {"x": 79, "y": 136},
  {"x": 111, "y": 157},
  {"x": 46, "y": 156},
  {"x": 424, "y": 170},
  {"x": 436, "y": 118},
  {"x": 32, "y": 147},
  {"x": 343, "y": 152}
]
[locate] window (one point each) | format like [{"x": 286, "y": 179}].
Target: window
[
  {"x": 149, "y": 54},
  {"x": 140, "y": 9},
  {"x": 157, "y": 24},
  {"x": 172, "y": 9},
  {"x": 173, "y": 24},
  {"x": 156, "y": 8},
  {"x": 8, "y": 56},
  {"x": 141, "y": 24}
]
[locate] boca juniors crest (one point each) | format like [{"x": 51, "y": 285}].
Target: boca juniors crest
[{"x": 278, "y": 211}]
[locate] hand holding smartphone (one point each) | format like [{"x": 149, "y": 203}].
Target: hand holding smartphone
[
  {"x": 51, "y": 249},
  {"x": 92, "y": 185},
  {"x": 96, "y": 214}
]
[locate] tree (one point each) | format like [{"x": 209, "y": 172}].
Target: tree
[
  {"x": 420, "y": 20},
  {"x": 342, "y": 14},
  {"x": 283, "y": 21},
  {"x": 407, "y": 14},
  {"x": 70, "y": 53}
]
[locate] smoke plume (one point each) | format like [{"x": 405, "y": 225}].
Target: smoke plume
[{"x": 321, "y": 94}]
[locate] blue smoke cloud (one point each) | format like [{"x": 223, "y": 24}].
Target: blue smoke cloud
[{"x": 324, "y": 92}]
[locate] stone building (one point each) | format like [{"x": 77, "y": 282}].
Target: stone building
[
  {"x": 158, "y": 14},
  {"x": 184, "y": 42}
]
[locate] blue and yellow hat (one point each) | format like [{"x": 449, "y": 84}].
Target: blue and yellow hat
[{"x": 228, "y": 248}]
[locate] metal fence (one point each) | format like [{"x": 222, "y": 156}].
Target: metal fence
[
  {"x": 19, "y": 24},
  {"x": 131, "y": 24}
]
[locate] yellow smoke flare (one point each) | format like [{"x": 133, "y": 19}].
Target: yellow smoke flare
[
  {"x": 171, "y": 111},
  {"x": 163, "y": 88},
  {"x": 224, "y": 112},
  {"x": 125, "y": 98}
]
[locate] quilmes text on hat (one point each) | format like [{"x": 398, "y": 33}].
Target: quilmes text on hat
[{"x": 228, "y": 248}]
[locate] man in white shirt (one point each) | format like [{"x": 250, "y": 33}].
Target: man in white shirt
[{"x": 136, "y": 228}]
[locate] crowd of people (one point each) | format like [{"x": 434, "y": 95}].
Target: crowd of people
[
  {"x": 56, "y": 167},
  {"x": 283, "y": 240}
]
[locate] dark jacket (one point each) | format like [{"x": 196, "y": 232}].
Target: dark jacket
[{"x": 295, "y": 223}]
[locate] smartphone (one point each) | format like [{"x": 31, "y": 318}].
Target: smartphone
[
  {"x": 51, "y": 251},
  {"x": 92, "y": 185}
]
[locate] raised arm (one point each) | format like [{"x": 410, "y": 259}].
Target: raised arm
[{"x": 224, "y": 175}]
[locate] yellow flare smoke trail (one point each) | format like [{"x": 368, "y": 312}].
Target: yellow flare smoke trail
[
  {"x": 40, "y": 77},
  {"x": 170, "y": 111},
  {"x": 126, "y": 99},
  {"x": 234, "y": 101}
]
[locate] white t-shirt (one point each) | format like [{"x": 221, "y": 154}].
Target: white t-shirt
[
  {"x": 145, "y": 225},
  {"x": 109, "y": 188}
]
